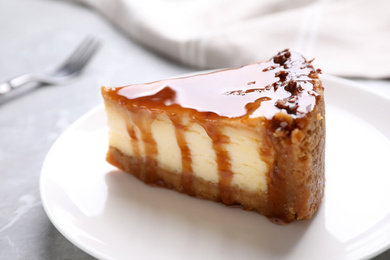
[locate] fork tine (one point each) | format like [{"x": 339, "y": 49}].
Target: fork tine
[
  {"x": 79, "y": 63},
  {"x": 80, "y": 56},
  {"x": 76, "y": 52}
]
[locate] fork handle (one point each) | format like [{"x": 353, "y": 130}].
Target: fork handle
[
  {"x": 16, "y": 82},
  {"x": 15, "y": 85}
]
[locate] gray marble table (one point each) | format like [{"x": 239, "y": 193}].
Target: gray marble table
[{"x": 35, "y": 35}]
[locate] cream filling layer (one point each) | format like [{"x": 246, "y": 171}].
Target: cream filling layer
[{"x": 249, "y": 170}]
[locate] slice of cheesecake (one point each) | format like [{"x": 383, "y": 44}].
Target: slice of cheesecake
[{"x": 252, "y": 136}]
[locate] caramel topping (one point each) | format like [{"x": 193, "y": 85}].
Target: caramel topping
[{"x": 285, "y": 82}]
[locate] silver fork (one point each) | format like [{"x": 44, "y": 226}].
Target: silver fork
[{"x": 61, "y": 75}]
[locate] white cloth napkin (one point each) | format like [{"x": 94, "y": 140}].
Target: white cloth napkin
[{"x": 346, "y": 37}]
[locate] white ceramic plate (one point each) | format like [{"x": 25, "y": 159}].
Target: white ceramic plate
[{"x": 112, "y": 215}]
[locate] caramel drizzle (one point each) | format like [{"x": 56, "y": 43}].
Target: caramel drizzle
[
  {"x": 186, "y": 159},
  {"x": 225, "y": 173},
  {"x": 150, "y": 146},
  {"x": 134, "y": 140}
]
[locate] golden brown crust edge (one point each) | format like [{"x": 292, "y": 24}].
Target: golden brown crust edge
[{"x": 300, "y": 165}]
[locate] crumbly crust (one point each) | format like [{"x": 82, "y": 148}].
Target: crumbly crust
[{"x": 300, "y": 163}]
